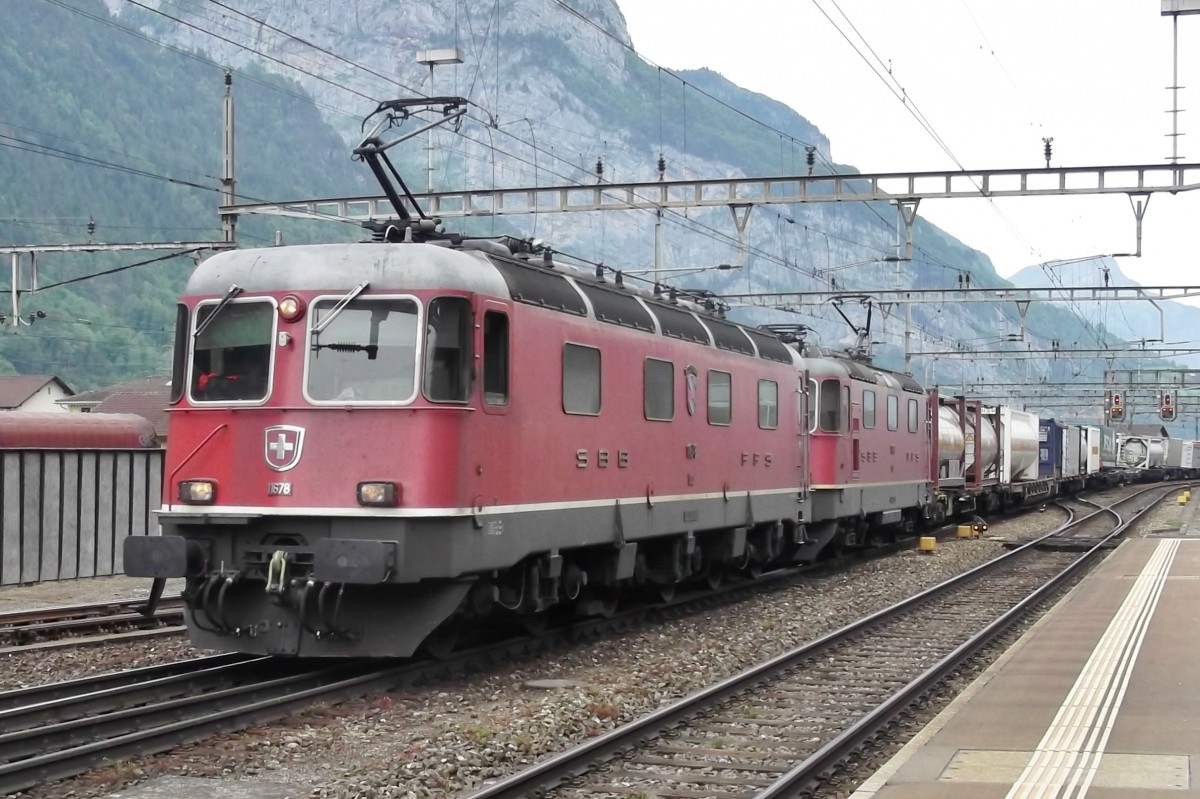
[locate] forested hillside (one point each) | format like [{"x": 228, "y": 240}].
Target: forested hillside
[
  {"x": 118, "y": 118},
  {"x": 97, "y": 123}
]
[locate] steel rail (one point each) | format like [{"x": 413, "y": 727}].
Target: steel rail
[
  {"x": 39, "y": 694},
  {"x": 810, "y": 772},
  {"x": 566, "y": 766},
  {"x": 13, "y": 618},
  {"x": 57, "y": 715}
]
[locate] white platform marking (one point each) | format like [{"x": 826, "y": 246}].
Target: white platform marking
[{"x": 1066, "y": 760}]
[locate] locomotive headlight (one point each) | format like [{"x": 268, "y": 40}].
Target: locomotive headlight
[
  {"x": 291, "y": 308},
  {"x": 197, "y": 492},
  {"x": 378, "y": 494}
]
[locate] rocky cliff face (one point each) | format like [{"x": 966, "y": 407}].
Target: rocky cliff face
[{"x": 553, "y": 93}]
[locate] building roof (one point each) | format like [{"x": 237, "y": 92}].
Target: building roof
[
  {"x": 147, "y": 397},
  {"x": 98, "y": 395},
  {"x": 16, "y": 389}
]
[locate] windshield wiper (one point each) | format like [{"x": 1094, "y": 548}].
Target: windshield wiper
[
  {"x": 371, "y": 350},
  {"x": 232, "y": 292},
  {"x": 339, "y": 307}
]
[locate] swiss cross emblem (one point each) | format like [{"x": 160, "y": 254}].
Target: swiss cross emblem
[{"x": 282, "y": 446}]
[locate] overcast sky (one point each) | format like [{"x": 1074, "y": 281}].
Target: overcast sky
[{"x": 993, "y": 78}]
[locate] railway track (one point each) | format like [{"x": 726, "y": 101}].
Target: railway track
[
  {"x": 90, "y": 623},
  {"x": 1098, "y": 520},
  {"x": 60, "y": 730},
  {"x": 786, "y": 726}
]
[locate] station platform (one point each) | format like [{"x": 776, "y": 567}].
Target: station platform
[{"x": 1100, "y": 698}]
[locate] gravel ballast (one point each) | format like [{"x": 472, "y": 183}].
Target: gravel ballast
[{"x": 444, "y": 739}]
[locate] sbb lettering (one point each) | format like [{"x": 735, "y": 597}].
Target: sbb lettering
[{"x": 604, "y": 458}]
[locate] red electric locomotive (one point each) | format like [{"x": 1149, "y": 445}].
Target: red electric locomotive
[
  {"x": 369, "y": 441},
  {"x": 371, "y": 444}
]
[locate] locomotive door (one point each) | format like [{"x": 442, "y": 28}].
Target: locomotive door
[
  {"x": 848, "y": 460},
  {"x": 490, "y": 477},
  {"x": 803, "y": 416},
  {"x": 855, "y": 418}
]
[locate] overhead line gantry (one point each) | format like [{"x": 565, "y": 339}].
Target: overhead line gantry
[{"x": 741, "y": 195}]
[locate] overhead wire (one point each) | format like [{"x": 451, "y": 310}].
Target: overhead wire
[{"x": 710, "y": 231}]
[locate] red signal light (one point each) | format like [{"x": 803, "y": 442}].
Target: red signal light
[{"x": 1116, "y": 400}]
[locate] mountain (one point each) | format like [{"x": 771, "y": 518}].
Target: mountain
[
  {"x": 1173, "y": 323},
  {"x": 555, "y": 88}
]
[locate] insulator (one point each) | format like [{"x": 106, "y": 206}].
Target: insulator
[
  {"x": 599, "y": 167},
  {"x": 662, "y": 166},
  {"x": 600, "y": 271},
  {"x": 810, "y": 157},
  {"x": 91, "y": 226},
  {"x": 620, "y": 278}
]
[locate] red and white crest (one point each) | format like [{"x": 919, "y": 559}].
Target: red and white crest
[{"x": 282, "y": 445}]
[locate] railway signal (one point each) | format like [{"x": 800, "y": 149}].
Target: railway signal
[
  {"x": 1166, "y": 411},
  {"x": 1116, "y": 410}
]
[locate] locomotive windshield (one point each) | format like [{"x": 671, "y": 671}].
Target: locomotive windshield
[
  {"x": 366, "y": 353},
  {"x": 231, "y": 359}
]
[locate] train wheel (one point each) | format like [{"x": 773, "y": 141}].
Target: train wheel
[
  {"x": 715, "y": 576},
  {"x": 441, "y": 642},
  {"x": 535, "y": 624},
  {"x": 666, "y": 591},
  {"x": 597, "y": 602}
]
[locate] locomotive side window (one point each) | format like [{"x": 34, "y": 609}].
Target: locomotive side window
[
  {"x": 581, "y": 380},
  {"x": 768, "y": 404},
  {"x": 231, "y": 358},
  {"x": 448, "y": 350},
  {"x": 366, "y": 352},
  {"x": 659, "y": 390},
  {"x": 720, "y": 397},
  {"x": 868, "y": 409},
  {"x": 495, "y": 358},
  {"x": 893, "y": 412},
  {"x": 829, "y": 406},
  {"x": 912, "y": 416},
  {"x": 179, "y": 360}
]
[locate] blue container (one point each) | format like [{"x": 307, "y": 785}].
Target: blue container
[{"x": 1050, "y": 448}]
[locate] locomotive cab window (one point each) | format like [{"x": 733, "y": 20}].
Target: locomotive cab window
[
  {"x": 720, "y": 398},
  {"x": 829, "y": 406},
  {"x": 868, "y": 409},
  {"x": 581, "y": 380},
  {"x": 364, "y": 352},
  {"x": 893, "y": 412},
  {"x": 495, "y": 358},
  {"x": 448, "y": 350},
  {"x": 659, "y": 390},
  {"x": 231, "y": 355},
  {"x": 768, "y": 404}
]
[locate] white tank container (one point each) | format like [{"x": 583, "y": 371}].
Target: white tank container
[
  {"x": 1019, "y": 440},
  {"x": 951, "y": 443},
  {"x": 986, "y": 451}
]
